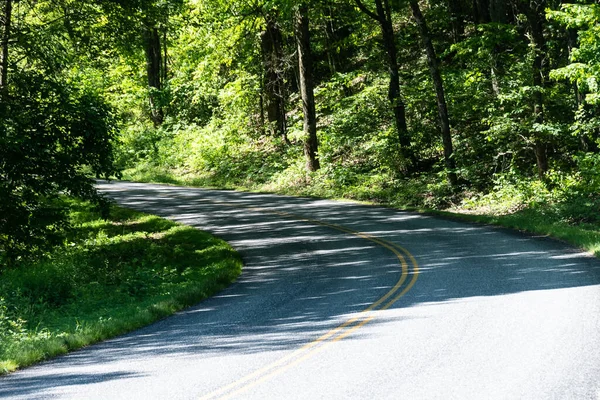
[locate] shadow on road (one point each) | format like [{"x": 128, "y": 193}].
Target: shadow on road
[
  {"x": 302, "y": 279},
  {"x": 38, "y": 387}
]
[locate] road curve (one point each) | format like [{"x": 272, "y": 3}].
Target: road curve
[{"x": 340, "y": 300}]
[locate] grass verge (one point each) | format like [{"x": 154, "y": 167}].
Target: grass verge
[{"x": 112, "y": 276}]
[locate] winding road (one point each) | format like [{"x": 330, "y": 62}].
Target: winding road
[{"x": 344, "y": 301}]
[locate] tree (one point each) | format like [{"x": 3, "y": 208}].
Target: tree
[
  {"x": 534, "y": 11},
  {"x": 438, "y": 84},
  {"x": 54, "y": 130},
  {"x": 6, "y": 26},
  {"x": 383, "y": 16},
  {"x": 301, "y": 27},
  {"x": 138, "y": 25},
  {"x": 457, "y": 19},
  {"x": 582, "y": 69},
  {"x": 156, "y": 70},
  {"x": 274, "y": 80}
]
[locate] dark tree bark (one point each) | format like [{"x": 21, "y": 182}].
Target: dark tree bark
[
  {"x": 6, "y": 26},
  {"x": 486, "y": 11},
  {"x": 301, "y": 27},
  {"x": 481, "y": 11},
  {"x": 458, "y": 23},
  {"x": 261, "y": 104},
  {"x": 534, "y": 10},
  {"x": 383, "y": 16},
  {"x": 331, "y": 39},
  {"x": 165, "y": 59},
  {"x": 154, "y": 67},
  {"x": 438, "y": 84},
  {"x": 273, "y": 80},
  {"x": 498, "y": 11}
]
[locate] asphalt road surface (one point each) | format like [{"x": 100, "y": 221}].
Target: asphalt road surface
[{"x": 344, "y": 301}]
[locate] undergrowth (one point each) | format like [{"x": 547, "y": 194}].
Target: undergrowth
[{"x": 111, "y": 276}]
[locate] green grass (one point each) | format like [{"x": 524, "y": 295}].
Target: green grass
[
  {"x": 111, "y": 277},
  {"x": 156, "y": 174}
]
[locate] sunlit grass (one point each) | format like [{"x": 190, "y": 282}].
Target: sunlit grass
[{"x": 111, "y": 277}]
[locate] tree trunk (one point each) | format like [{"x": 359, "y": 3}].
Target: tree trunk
[
  {"x": 273, "y": 81},
  {"x": 331, "y": 39},
  {"x": 301, "y": 25},
  {"x": 481, "y": 11},
  {"x": 584, "y": 141},
  {"x": 384, "y": 17},
  {"x": 498, "y": 11},
  {"x": 485, "y": 11},
  {"x": 6, "y": 25},
  {"x": 535, "y": 13},
  {"x": 153, "y": 69},
  {"x": 438, "y": 84},
  {"x": 165, "y": 58},
  {"x": 261, "y": 104},
  {"x": 458, "y": 24},
  {"x": 305, "y": 67}
]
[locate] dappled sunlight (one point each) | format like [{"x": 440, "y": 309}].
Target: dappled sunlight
[
  {"x": 573, "y": 255},
  {"x": 312, "y": 278},
  {"x": 268, "y": 230},
  {"x": 441, "y": 246}
]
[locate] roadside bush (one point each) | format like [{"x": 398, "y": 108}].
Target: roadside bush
[
  {"x": 579, "y": 193},
  {"x": 111, "y": 277},
  {"x": 51, "y": 135}
]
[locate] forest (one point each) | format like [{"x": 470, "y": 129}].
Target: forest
[
  {"x": 485, "y": 110},
  {"x": 433, "y": 104}
]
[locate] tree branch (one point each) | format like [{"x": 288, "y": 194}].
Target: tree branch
[{"x": 365, "y": 10}]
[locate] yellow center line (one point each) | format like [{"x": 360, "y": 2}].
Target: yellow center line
[
  {"x": 331, "y": 333},
  {"x": 365, "y": 316},
  {"x": 319, "y": 349}
]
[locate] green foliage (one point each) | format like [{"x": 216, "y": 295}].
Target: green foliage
[
  {"x": 356, "y": 134},
  {"x": 584, "y": 66},
  {"x": 56, "y": 128},
  {"x": 565, "y": 198},
  {"x": 216, "y": 128},
  {"x": 583, "y": 69},
  {"x": 112, "y": 276},
  {"x": 510, "y": 193},
  {"x": 48, "y": 133}
]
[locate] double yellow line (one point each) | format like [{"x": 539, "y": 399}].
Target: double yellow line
[
  {"x": 316, "y": 346},
  {"x": 365, "y": 316}
]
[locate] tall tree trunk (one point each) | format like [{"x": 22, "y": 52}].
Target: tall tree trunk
[
  {"x": 301, "y": 25},
  {"x": 6, "y": 25},
  {"x": 458, "y": 23},
  {"x": 261, "y": 104},
  {"x": 438, "y": 84},
  {"x": 535, "y": 13},
  {"x": 153, "y": 70},
  {"x": 481, "y": 11},
  {"x": 498, "y": 11},
  {"x": 165, "y": 59},
  {"x": 484, "y": 11},
  {"x": 273, "y": 81},
  {"x": 383, "y": 16},
  {"x": 330, "y": 40}
]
